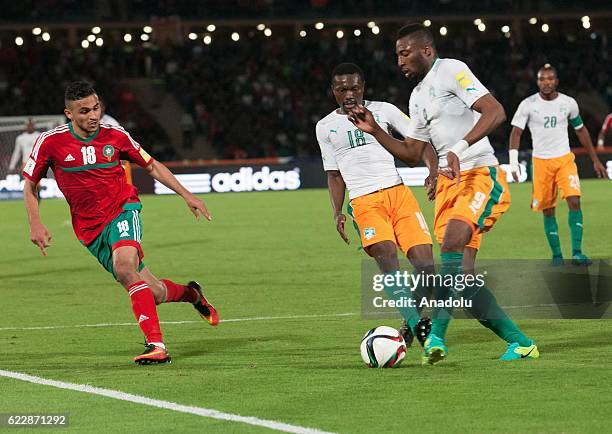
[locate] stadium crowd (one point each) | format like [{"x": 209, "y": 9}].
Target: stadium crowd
[{"x": 263, "y": 96}]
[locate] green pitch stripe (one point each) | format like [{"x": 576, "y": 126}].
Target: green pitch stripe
[
  {"x": 89, "y": 167},
  {"x": 494, "y": 196}
]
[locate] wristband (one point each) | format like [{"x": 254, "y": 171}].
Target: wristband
[
  {"x": 459, "y": 147},
  {"x": 513, "y": 154}
]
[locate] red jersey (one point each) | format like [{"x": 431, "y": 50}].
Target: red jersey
[{"x": 88, "y": 172}]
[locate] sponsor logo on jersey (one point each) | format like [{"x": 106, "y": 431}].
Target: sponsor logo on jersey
[
  {"x": 108, "y": 151},
  {"x": 69, "y": 157}
]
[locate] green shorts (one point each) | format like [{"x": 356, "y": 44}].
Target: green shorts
[{"x": 123, "y": 230}]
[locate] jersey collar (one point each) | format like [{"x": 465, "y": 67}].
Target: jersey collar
[{"x": 82, "y": 139}]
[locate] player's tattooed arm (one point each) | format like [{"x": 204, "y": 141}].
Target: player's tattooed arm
[
  {"x": 409, "y": 150},
  {"x": 39, "y": 234},
  {"x": 160, "y": 172},
  {"x": 337, "y": 189}
]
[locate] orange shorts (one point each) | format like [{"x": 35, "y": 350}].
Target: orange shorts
[
  {"x": 549, "y": 176},
  {"x": 480, "y": 199},
  {"x": 392, "y": 214}
]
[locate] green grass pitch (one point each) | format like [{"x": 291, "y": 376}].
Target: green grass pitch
[{"x": 277, "y": 255}]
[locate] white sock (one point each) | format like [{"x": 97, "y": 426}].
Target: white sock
[{"x": 158, "y": 344}]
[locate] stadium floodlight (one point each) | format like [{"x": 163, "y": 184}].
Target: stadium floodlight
[
  {"x": 482, "y": 27},
  {"x": 545, "y": 28},
  {"x": 261, "y": 27},
  {"x": 127, "y": 37},
  {"x": 533, "y": 20},
  {"x": 144, "y": 37},
  {"x": 211, "y": 27},
  {"x": 19, "y": 41},
  {"x": 505, "y": 29},
  {"x": 36, "y": 31},
  {"x": 586, "y": 24},
  {"x": 99, "y": 42},
  {"x": 147, "y": 29},
  {"x": 46, "y": 37},
  {"x": 477, "y": 21},
  {"x": 376, "y": 30},
  {"x": 96, "y": 30},
  {"x": 339, "y": 34},
  {"x": 193, "y": 36},
  {"x": 371, "y": 24},
  {"x": 207, "y": 39},
  {"x": 319, "y": 25},
  {"x": 427, "y": 23},
  {"x": 268, "y": 32},
  {"x": 91, "y": 38},
  {"x": 85, "y": 43},
  {"x": 235, "y": 36},
  {"x": 443, "y": 31},
  {"x": 303, "y": 33},
  {"x": 585, "y": 18},
  {"x": 357, "y": 32}
]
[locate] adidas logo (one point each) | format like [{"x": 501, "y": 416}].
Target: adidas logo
[
  {"x": 124, "y": 234},
  {"x": 69, "y": 157},
  {"x": 142, "y": 318}
]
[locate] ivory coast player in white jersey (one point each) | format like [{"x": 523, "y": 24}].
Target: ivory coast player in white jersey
[
  {"x": 547, "y": 114},
  {"x": 453, "y": 111},
  {"x": 385, "y": 213}
]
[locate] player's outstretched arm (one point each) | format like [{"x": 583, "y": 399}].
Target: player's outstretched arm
[
  {"x": 585, "y": 140},
  {"x": 337, "y": 189},
  {"x": 515, "y": 143},
  {"x": 160, "y": 172},
  {"x": 39, "y": 235},
  {"x": 409, "y": 150}
]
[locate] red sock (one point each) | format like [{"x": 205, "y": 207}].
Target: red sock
[
  {"x": 145, "y": 311},
  {"x": 176, "y": 292}
]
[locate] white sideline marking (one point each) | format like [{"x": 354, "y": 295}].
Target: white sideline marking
[
  {"x": 125, "y": 324},
  {"x": 199, "y": 411}
]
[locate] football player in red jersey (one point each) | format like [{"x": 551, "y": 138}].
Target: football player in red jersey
[{"x": 85, "y": 158}]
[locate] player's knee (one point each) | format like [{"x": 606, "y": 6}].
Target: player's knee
[
  {"x": 573, "y": 202},
  {"x": 453, "y": 243},
  {"x": 125, "y": 273}
]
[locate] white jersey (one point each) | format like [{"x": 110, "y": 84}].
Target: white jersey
[
  {"x": 109, "y": 120},
  {"x": 23, "y": 148},
  {"x": 441, "y": 113},
  {"x": 365, "y": 165},
  {"x": 547, "y": 122}
]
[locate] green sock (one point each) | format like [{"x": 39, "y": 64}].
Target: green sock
[
  {"x": 395, "y": 292},
  {"x": 452, "y": 264},
  {"x": 574, "y": 220},
  {"x": 552, "y": 235},
  {"x": 490, "y": 314}
]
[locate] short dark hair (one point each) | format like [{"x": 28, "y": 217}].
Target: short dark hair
[
  {"x": 347, "y": 69},
  {"x": 548, "y": 67},
  {"x": 78, "y": 90},
  {"x": 418, "y": 31}
]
